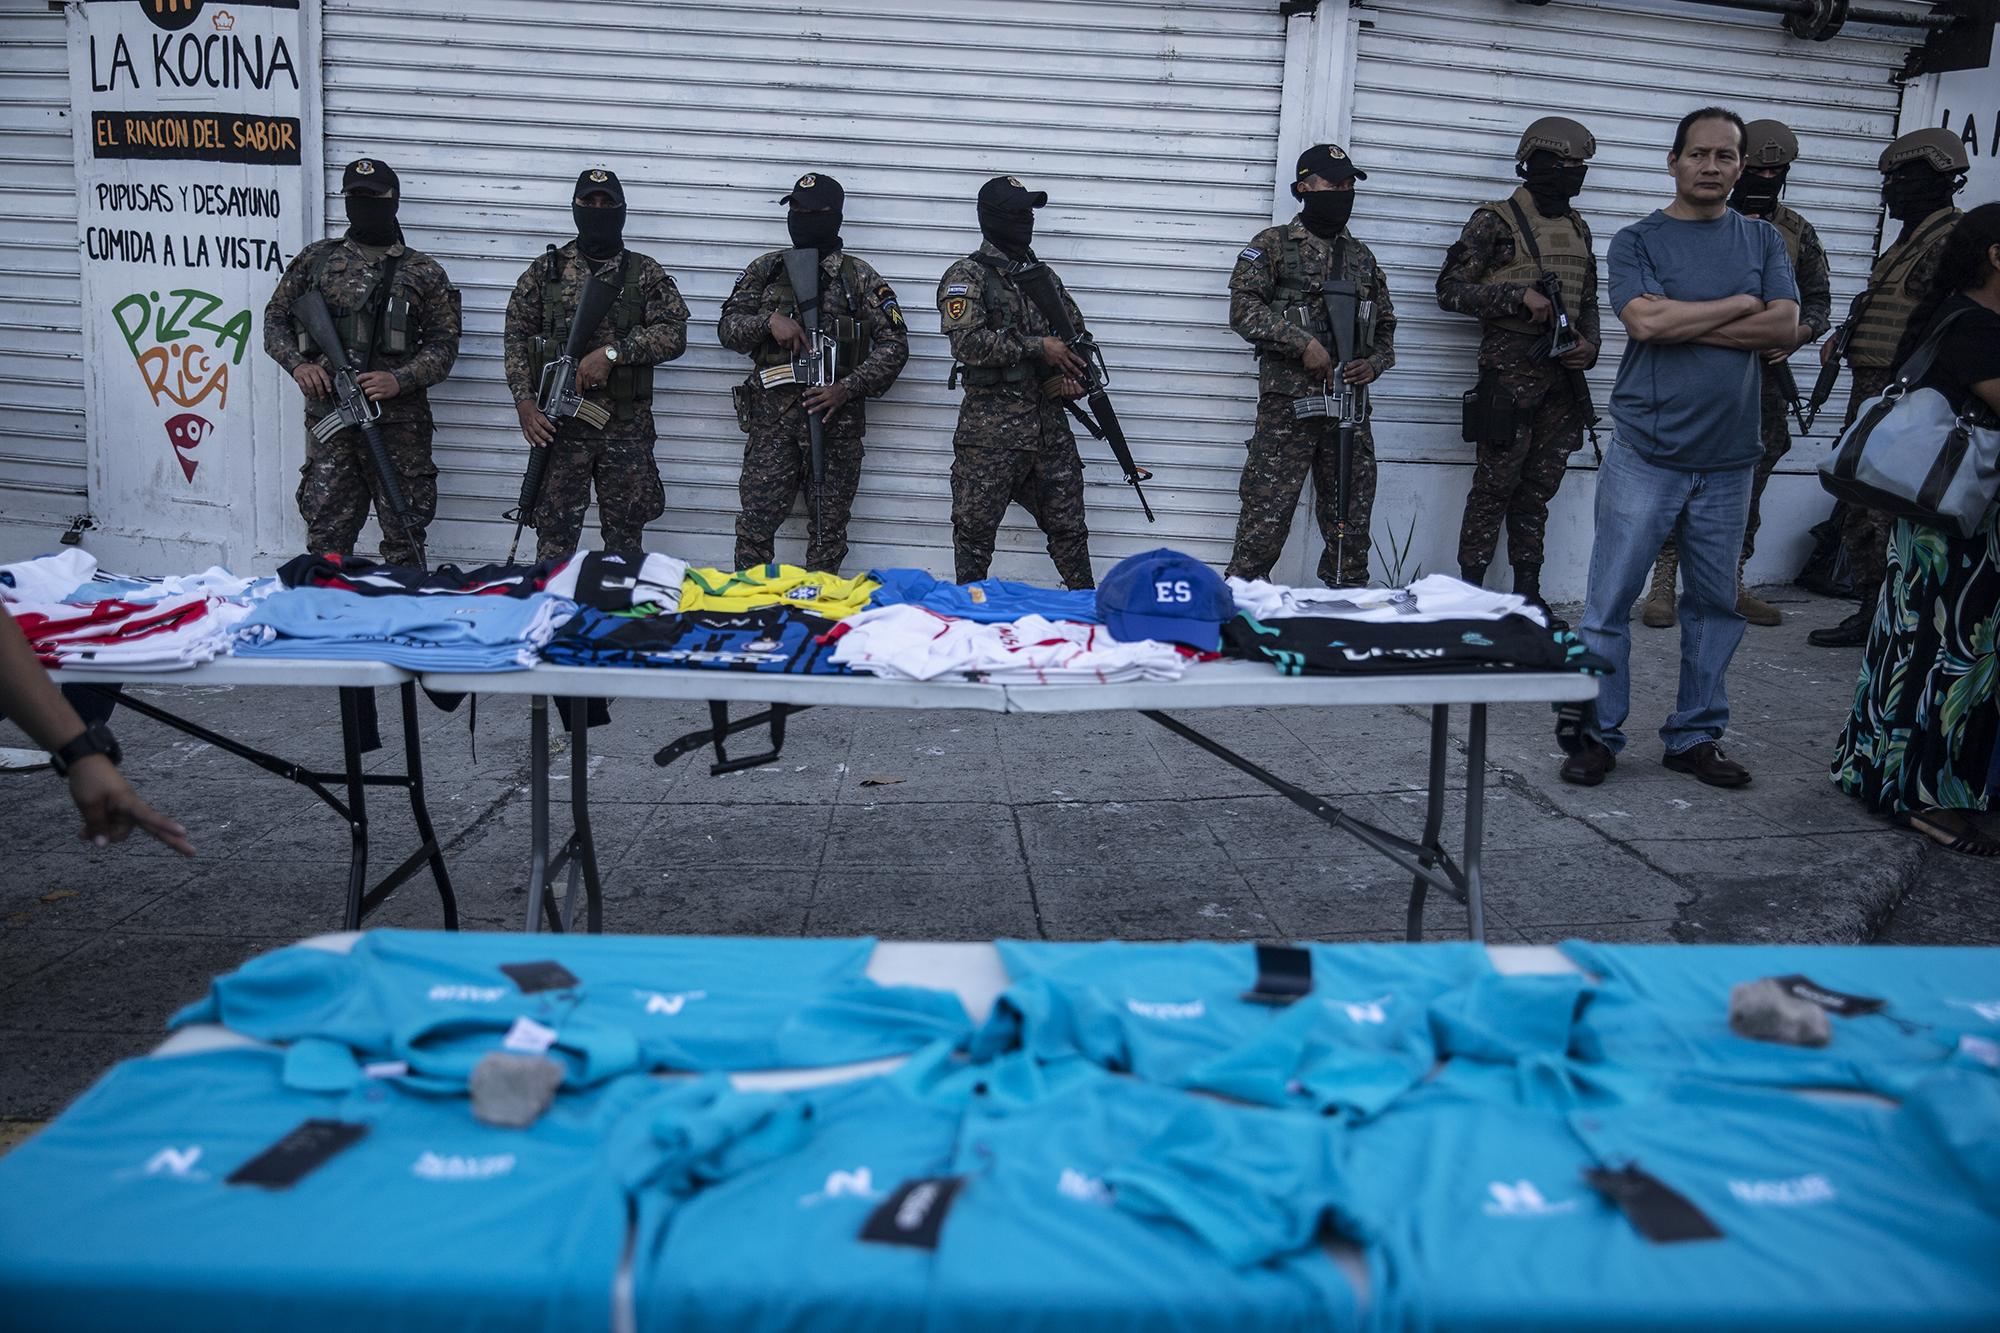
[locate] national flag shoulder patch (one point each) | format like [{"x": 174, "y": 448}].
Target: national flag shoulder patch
[{"x": 1251, "y": 252}]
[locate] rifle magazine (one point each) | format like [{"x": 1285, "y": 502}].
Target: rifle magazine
[{"x": 592, "y": 415}]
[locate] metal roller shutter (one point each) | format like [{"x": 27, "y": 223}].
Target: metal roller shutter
[
  {"x": 1442, "y": 90},
  {"x": 1153, "y": 128},
  {"x": 41, "y": 343}
]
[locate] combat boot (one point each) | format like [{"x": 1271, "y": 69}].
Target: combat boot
[
  {"x": 1752, "y": 607},
  {"x": 1658, "y": 610}
]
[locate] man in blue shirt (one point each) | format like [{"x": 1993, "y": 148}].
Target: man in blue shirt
[{"x": 1701, "y": 290}]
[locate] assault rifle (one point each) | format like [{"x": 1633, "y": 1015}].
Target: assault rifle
[
  {"x": 1829, "y": 369},
  {"x": 817, "y": 368},
  {"x": 1351, "y": 321},
  {"x": 353, "y": 408},
  {"x": 1564, "y": 339},
  {"x": 560, "y": 400},
  {"x": 1038, "y": 283},
  {"x": 1788, "y": 389}
]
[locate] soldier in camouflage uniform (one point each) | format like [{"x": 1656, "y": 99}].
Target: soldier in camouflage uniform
[
  {"x": 1275, "y": 305},
  {"x": 647, "y": 324},
  {"x": 1531, "y": 416},
  {"x": 1013, "y": 441},
  {"x": 1921, "y": 171},
  {"x": 1769, "y": 149},
  {"x": 398, "y": 317},
  {"x": 761, "y": 319}
]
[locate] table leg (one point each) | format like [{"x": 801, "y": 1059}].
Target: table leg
[
  {"x": 1475, "y": 820},
  {"x": 357, "y": 810},
  {"x": 413, "y": 768},
  {"x": 538, "y": 807},
  {"x": 1433, "y": 819},
  {"x": 582, "y": 846}
]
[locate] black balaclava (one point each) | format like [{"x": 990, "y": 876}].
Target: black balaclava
[
  {"x": 371, "y": 218},
  {"x": 1757, "y": 196},
  {"x": 1915, "y": 190},
  {"x": 1325, "y": 212},
  {"x": 818, "y": 230},
  {"x": 600, "y": 232},
  {"x": 1552, "y": 183},
  {"x": 1011, "y": 230}
]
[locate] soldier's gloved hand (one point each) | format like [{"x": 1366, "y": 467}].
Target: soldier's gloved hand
[
  {"x": 1539, "y": 307},
  {"x": 1056, "y": 354},
  {"x": 788, "y": 333},
  {"x": 1318, "y": 362},
  {"x": 1580, "y": 357},
  {"x": 1359, "y": 372},
  {"x": 379, "y": 385},
  {"x": 313, "y": 380},
  {"x": 536, "y": 429},
  {"x": 593, "y": 370},
  {"x": 827, "y": 398}
]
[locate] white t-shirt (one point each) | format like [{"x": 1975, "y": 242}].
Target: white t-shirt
[
  {"x": 909, "y": 643},
  {"x": 1433, "y": 597}
]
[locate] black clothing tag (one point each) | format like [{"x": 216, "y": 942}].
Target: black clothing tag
[
  {"x": 1655, "y": 1209},
  {"x": 1284, "y": 974},
  {"x": 545, "y": 975},
  {"x": 1833, "y": 1001},
  {"x": 298, "y": 1154},
  {"x": 914, "y": 1214}
]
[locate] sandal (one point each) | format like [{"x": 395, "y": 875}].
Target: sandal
[{"x": 1967, "y": 843}]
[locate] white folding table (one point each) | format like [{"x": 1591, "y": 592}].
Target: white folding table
[
  {"x": 1205, "y": 686},
  {"x": 355, "y": 682}
]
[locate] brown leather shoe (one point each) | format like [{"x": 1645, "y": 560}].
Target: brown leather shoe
[
  {"x": 1587, "y": 767},
  {"x": 1707, "y": 762}
]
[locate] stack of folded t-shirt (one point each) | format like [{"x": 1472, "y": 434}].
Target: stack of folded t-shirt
[
  {"x": 907, "y": 642},
  {"x": 775, "y": 639},
  {"x": 75, "y": 615},
  {"x": 434, "y": 632},
  {"x": 989, "y": 600}
]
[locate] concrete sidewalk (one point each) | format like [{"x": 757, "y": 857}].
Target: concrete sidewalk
[{"x": 961, "y": 826}]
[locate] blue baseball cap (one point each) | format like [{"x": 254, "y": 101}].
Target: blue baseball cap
[{"x": 1165, "y": 595}]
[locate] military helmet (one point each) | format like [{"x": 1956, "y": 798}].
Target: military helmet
[
  {"x": 1769, "y": 143},
  {"x": 1558, "y": 134},
  {"x": 1939, "y": 149}
]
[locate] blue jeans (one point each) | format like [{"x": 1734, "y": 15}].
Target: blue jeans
[{"x": 1638, "y": 507}]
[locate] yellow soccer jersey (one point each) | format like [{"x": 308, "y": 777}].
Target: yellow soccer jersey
[{"x": 826, "y": 595}]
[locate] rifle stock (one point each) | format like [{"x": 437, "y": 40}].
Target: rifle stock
[{"x": 353, "y": 408}]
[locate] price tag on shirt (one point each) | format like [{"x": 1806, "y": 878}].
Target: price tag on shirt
[{"x": 527, "y": 1037}]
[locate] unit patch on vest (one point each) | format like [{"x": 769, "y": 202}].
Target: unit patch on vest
[
  {"x": 887, "y": 296},
  {"x": 955, "y": 308},
  {"x": 1251, "y": 252}
]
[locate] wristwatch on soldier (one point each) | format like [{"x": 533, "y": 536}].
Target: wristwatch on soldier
[
  {"x": 94, "y": 739},
  {"x": 611, "y": 353}
]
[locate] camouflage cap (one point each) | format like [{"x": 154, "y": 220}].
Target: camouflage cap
[
  {"x": 1939, "y": 149},
  {"x": 1769, "y": 143},
  {"x": 1558, "y": 134}
]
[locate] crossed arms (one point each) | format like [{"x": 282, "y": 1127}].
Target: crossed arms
[{"x": 1743, "y": 322}]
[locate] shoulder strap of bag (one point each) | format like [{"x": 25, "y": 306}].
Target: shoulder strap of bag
[{"x": 1919, "y": 362}]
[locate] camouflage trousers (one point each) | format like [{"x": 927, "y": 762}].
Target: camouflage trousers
[
  {"x": 1865, "y": 532},
  {"x": 1283, "y": 452},
  {"x": 1047, "y": 482},
  {"x": 629, "y": 493},
  {"x": 337, "y": 485},
  {"x": 1777, "y": 436},
  {"x": 1513, "y": 483},
  {"x": 776, "y": 471}
]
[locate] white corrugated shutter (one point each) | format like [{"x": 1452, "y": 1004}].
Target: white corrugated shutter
[
  {"x": 41, "y": 345},
  {"x": 1153, "y": 127},
  {"x": 1443, "y": 89}
]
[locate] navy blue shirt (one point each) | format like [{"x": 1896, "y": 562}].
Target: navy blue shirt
[{"x": 1687, "y": 406}]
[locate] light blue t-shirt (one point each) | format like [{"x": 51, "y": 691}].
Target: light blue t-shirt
[{"x": 1685, "y": 406}]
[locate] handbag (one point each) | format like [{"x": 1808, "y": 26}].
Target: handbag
[{"x": 1909, "y": 455}]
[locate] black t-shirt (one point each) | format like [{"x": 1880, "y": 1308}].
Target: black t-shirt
[{"x": 1969, "y": 354}]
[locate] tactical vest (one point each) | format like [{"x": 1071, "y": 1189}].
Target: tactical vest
[
  {"x": 380, "y": 323},
  {"x": 1565, "y": 252},
  {"x": 1001, "y": 299},
  {"x": 1890, "y": 301},
  {"x": 630, "y": 387},
  {"x": 1298, "y": 292},
  {"x": 1793, "y": 228},
  {"x": 852, "y": 346}
]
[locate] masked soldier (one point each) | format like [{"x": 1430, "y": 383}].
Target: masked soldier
[
  {"x": 1277, "y": 305},
  {"x": 1769, "y": 149},
  {"x": 1013, "y": 441},
  {"x": 647, "y": 324},
  {"x": 397, "y": 315},
  {"x": 1920, "y": 173},
  {"x": 762, "y": 318},
  {"x": 1528, "y": 414}
]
